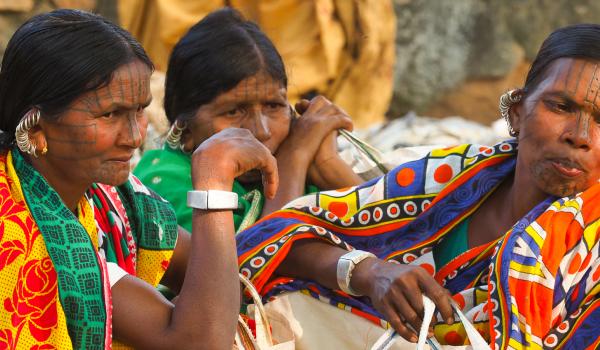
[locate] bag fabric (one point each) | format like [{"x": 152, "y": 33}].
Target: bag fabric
[
  {"x": 263, "y": 338},
  {"x": 316, "y": 325}
]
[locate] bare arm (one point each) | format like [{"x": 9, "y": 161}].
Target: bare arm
[
  {"x": 175, "y": 274},
  {"x": 205, "y": 314}
]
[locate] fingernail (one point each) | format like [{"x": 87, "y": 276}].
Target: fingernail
[
  {"x": 414, "y": 338},
  {"x": 449, "y": 320}
]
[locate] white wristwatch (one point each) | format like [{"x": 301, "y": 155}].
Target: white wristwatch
[
  {"x": 345, "y": 265},
  {"x": 212, "y": 200}
]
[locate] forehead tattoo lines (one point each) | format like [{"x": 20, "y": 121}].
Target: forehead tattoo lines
[
  {"x": 591, "y": 94},
  {"x": 255, "y": 87},
  {"x": 573, "y": 84}
]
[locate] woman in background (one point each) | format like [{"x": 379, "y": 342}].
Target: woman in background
[{"x": 223, "y": 73}]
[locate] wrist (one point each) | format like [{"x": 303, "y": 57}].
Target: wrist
[
  {"x": 346, "y": 271},
  {"x": 212, "y": 200},
  {"x": 361, "y": 278},
  {"x": 211, "y": 174},
  {"x": 293, "y": 155}
]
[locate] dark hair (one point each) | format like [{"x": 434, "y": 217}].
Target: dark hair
[
  {"x": 213, "y": 57},
  {"x": 55, "y": 57},
  {"x": 578, "y": 41}
]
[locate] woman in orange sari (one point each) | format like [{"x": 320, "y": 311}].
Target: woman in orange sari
[{"x": 509, "y": 232}]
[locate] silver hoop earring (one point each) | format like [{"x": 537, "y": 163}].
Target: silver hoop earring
[
  {"x": 173, "y": 138},
  {"x": 29, "y": 120},
  {"x": 506, "y": 101}
]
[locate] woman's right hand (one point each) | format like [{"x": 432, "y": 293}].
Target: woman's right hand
[
  {"x": 396, "y": 290},
  {"x": 318, "y": 119},
  {"x": 229, "y": 154}
]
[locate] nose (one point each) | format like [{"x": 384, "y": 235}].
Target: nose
[
  {"x": 258, "y": 124},
  {"x": 131, "y": 134},
  {"x": 579, "y": 132}
]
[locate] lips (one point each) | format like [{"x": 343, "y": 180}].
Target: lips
[
  {"x": 567, "y": 168},
  {"x": 121, "y": 159}
]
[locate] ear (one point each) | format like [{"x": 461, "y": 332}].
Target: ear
[
  {"x": 187, "y": 140},
  {"x": 37, "y": 137},
  {"x": 516, "y": 112}
]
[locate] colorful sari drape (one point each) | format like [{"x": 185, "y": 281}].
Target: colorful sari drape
[
  {"x": 54, "y": 289},
  {"x": 537, "y": 287}
]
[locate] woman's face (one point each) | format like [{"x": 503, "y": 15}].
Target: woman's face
[
  {"x": 94, "y": 139},
  {"x": 559, "y": 128},
  {"x": 258, "y": 103}
]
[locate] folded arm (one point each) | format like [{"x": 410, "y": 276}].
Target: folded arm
[{"x": 205, "y": 314}]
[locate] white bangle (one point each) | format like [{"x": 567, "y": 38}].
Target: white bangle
[
  {"x": 346, "y": 265},
  {"x": 212, "y": 200}
]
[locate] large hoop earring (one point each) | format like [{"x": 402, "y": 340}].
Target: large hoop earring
[
  {"x": 173, "y": 138},
  {"x": 29, "y": 120},
  {"x": 508, "y": 99}
]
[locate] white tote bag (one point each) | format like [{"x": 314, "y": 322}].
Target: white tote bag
[
  {"x": 316, "y": 325},
  {"x": 477, "y": 342},
  {"x": 264, "y": 339}
]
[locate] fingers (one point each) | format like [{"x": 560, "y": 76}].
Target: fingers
[
  {"x": 442, "y": 299},
  {"x": 233, "y": 152},
  {"x": 398, "y": 294},
  {"x": 270, "y": 176},
  {"x": 301, "y": 106},
  {"x": 440, "y": 296},
  {"x": 407, "y": 313},
  {"x": 395, "y": 321},
  {"x": 322, "y": 108}
]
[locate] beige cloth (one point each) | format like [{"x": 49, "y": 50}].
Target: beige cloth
[
  {"x": 317, "y": 325},
  {"x": 339, "y": 48}
]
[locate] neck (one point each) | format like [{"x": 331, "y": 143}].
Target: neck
[
  {"x": 521, "y": 196},
  {"x": 69, "y": 191}
]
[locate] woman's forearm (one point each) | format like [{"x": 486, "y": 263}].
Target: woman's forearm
[
  {"x": 334, "y": 173},
  {"x": 301, "y": 263},
  {"x": 209, "y": 297},
  {"x": 292, "y": 181}
]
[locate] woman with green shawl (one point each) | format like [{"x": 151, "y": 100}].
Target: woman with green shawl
[
  {"x": 225, "y": 72},
  {"x": 82, "y": 242}
]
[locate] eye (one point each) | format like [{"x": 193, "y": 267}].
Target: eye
[
  {"x": 107, "y": 115},
  {"x": 235, "y": 113},
  {"x": 560, "y": 106},
  {"x": 274, "y": 105}
]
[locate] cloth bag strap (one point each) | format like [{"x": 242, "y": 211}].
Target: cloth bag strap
[
  {"x": 389, "y": 337},
  {"x": 264, "y": 339}
]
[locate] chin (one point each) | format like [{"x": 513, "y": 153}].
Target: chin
[
  {"x": 565, "y": 189},
  {"x": 116, "y": 179}
]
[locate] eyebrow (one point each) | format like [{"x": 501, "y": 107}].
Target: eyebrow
[
  {"x": 117, "y": 105},
  {"x": 571, "y": 100}
]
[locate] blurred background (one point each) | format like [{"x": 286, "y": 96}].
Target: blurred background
[{"x": 408, "y": 63}]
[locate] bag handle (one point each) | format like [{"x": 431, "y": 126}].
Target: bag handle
[
  {"x": 263, "y": 328},
  {"x": 389, "y": 337},
  {"x": 367, "y": 150},
  {"x": 476, "y": 340}
]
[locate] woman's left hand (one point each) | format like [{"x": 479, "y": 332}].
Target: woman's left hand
[{"x": 328, "y": 170}]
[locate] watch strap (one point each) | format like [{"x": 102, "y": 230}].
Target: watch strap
[
  {"x": 212, "y": 200},
  {"x": 346, "y": 265}
]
